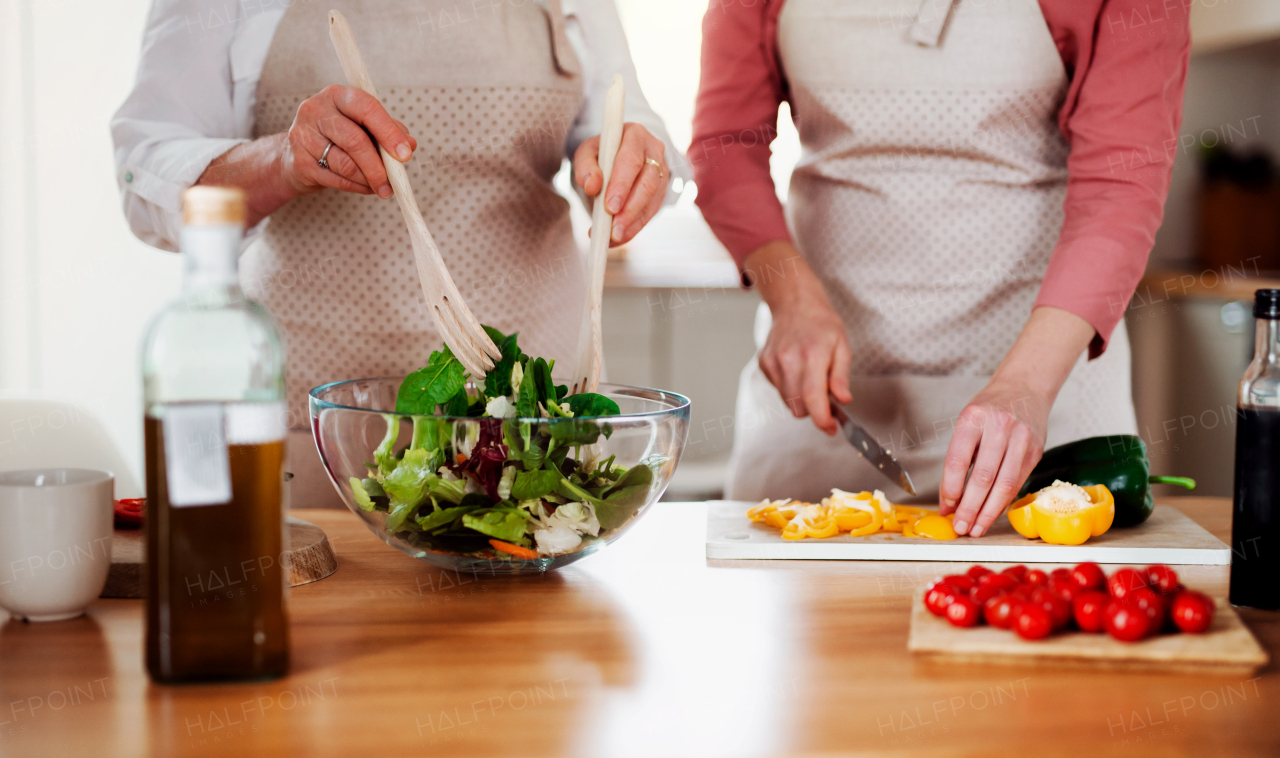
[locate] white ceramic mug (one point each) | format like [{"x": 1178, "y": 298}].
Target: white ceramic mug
[{"x": 55, "y": 540}]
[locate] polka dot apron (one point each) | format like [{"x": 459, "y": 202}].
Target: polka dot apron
[
  {"x": 490, "y": 91},
  {"x": 928, "y": 198}
]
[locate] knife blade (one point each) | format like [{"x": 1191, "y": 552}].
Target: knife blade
[{"x": 868, "y": 448}]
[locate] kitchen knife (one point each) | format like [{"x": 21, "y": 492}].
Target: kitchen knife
[{"x": 868, "y": 448}]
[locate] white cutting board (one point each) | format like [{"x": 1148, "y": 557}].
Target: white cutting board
[{"x": 1167, "y": 537}]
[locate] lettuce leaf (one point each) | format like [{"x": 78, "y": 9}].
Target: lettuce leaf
[
  {"x": 410, "y": 480},
  {"x": 385, "y": 455},
  {"x": 532, "y": 485},
  {"x": 506, "y": 524},
  {"x": 361, "y": 497}
]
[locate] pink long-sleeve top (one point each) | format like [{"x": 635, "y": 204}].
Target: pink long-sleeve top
[{"x": 1127, "y": 62}]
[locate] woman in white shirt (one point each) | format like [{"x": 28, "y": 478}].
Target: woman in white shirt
[{"x": 482, "y": 102}]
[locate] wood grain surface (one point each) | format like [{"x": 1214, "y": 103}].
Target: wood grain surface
[
  {"x": 1166, "y": 537},
  {"x": 646, "y": 649},
  {"x": 310, "y": 558}
]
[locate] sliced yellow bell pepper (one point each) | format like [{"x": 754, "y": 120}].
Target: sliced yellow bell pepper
[
  {"x": 814, "y": 521},
  {"x": 848, "y": 521},
  {"x": 1032, "y": 520}
]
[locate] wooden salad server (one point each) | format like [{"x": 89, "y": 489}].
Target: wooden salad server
[
  {"x": 458, "y": 326},
  {"x": 586, "y": 377}
]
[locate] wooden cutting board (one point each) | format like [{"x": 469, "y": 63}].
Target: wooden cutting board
[
  {"x": 1167, "y": 537},
  {"x": 310, "y": 558},
  {"x": 1228, "y": 648}
]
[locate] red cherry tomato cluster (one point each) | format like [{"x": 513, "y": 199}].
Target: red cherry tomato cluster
[
  {"x": 1130, "y": 605},
  {"x": 129, "y": 512}
]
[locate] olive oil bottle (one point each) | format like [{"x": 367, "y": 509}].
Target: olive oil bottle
[{"x": 213, "y": 384}]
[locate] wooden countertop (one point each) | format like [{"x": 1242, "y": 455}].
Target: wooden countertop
[{"x": 645, "y": 649}]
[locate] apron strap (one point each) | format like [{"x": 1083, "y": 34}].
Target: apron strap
[
  {"x": 930, "y": 21},
  {"x": 566, "y": 61}
]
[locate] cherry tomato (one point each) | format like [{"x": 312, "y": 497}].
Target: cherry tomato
[
  {"x": 1060, "y": 573},
  {"x": 1088, "y": 608},
  {"x": 1193, "y": 611},
  {"x": 1150, "y": 602},
  {"x": 1124, "y": 581},
  {"x": 1059, "y": 610},
  {"x": 1036, "y": 576},
  {"x": 1126, "y": 621},
  {"x": 963, "y": 612},
  {"x": 960, "y": 581},
  {"x": 1001, "y": 611},
  {"x": 977, "y": 572},
  {"x": 984, "y": 592},
  {"x": 1171, "y": 594},
  {"x": 1033, "y": 622},
  {"x": 999, "y": 581},
  {"x": 938, "y": 596},
  {"x": 1064, "y": 588},
  {"x": 1025, "y": 590},
  {"x": 1018, "y": 572},
  {"x": 1162, "y": 578},
  {"x": 1089, "y": 576}
]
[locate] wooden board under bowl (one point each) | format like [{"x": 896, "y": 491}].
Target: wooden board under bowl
[
  {"x": 1168, "y": 536},
  {"x": 310, "y": 558},
  {"x": 1227, "y": 648}
]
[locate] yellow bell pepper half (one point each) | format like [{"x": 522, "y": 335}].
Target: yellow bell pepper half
[{"x": 1034, "y": 521}]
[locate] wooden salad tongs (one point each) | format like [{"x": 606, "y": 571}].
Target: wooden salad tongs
[
  {"x": 586, "y": 377},
  {"x": 458, "y": 326}
]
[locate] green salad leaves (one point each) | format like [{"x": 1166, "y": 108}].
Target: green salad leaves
[{"x": 507, "y": 468}]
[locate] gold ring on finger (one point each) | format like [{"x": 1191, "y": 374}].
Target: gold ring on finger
[{"x": 661, "y": 174}]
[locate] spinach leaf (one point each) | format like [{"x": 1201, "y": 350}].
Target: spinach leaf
[
  {"x": 527, "y": 397},
  {"x": 494, "y": 334},
  {"x": 625, "y": 497},
  {"x": 589, "y": 404},
  {"x": 531, "y": 485},
  {"x": 572, "y": 492},
  {"x": 497, "y": 382},
  {"x": 477, "y": 500},
  {"x": 506, "y": 524},
  {"x": 546, "y": 385},
  {"x": 571, "y": 431},
  {"x": 458, "y": 404},
  {"x": 443, "y": 517},
  {"x": 435, "y": 383}
]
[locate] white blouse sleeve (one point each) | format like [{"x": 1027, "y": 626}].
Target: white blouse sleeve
[
  {"x": 595, "y": 31},
  {"x": 192, "y": 101}
]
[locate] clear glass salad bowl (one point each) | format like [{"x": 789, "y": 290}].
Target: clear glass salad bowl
[{"x": 352, "y": 423}]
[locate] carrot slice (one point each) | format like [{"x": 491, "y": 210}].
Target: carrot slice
[
  {"x": 460, "y": 458},
  {"x": 516, "y": 550}
]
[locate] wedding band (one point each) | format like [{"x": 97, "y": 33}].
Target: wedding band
[
  {"x": 661, "y": 174},
  {"x": 324, "y": 157}
]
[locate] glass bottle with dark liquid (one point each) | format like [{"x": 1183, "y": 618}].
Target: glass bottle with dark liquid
[
  {"x": 212, "y": 366},
  {"x": 1255, "y": 524}
]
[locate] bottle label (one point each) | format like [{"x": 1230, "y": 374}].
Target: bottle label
[{"x": 195, "y": 455}]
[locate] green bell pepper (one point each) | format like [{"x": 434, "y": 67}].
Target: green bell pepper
[{"x": 1118, "y": 461}]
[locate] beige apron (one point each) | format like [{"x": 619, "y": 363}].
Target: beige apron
[
  {"x": 490, "y": 91},
  {"x": 928, "y": 200}
]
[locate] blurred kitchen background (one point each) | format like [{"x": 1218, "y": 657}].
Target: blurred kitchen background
[{"x": 76, "y": 288}]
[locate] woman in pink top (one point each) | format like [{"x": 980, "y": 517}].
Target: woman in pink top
[{"x": 980, "y": 187}]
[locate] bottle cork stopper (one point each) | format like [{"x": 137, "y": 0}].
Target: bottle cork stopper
[{"x": 207, "y": 206}]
